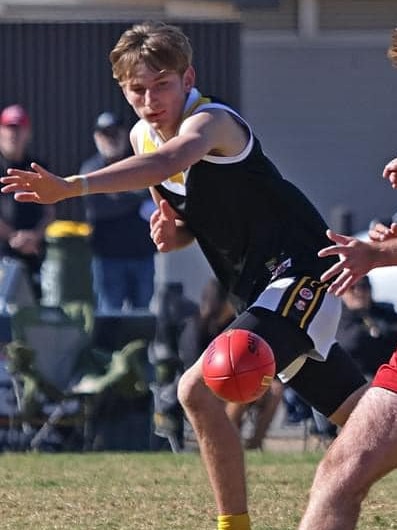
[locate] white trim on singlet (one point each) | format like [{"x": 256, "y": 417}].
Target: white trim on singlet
[
  {"x": 227, "y": 159},
  {"x": 141, "y": 128}
]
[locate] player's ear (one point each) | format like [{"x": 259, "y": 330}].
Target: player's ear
[{"x": 189, "y": 78}]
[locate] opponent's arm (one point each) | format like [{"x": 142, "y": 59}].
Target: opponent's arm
[{"x": 356, "y": 258}]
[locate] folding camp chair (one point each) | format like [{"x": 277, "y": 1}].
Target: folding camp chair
[{"x": 46, "y": 356}]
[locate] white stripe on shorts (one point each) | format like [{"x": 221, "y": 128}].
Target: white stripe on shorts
[{"x": 323, "y": 322}]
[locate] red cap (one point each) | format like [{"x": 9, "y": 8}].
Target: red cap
[{"x": 14, "y": 115}]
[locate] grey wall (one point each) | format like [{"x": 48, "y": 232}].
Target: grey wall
[{"x": 326, "y": 113}]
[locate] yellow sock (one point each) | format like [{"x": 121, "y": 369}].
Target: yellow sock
[{"x": 234, "y": 522}]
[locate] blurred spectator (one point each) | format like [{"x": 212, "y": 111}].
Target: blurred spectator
[
  {"x": 22, "y": 225},
  {"x": 173, "y": 311},
  {"x": 123, "y": 252},
  {"x": 367, "y": 329},
  {"x": 260, "y": 414}
]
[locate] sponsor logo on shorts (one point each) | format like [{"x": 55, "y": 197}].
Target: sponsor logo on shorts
[
  {"x": 306, "y": 293},
  {"x": 300, "y": 305}
]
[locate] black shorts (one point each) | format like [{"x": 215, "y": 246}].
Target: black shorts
[{"x": 323, "y": 384}]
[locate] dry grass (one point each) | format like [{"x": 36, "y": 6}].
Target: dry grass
[{"x": 160, "y": 492}]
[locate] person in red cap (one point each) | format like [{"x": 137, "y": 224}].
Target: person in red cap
[{"x": 22, "y": 226}]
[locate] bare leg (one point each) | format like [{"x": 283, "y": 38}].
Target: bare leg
[
  {"x": 364, "y": 451},
  {"x": 219, "y": 442}
]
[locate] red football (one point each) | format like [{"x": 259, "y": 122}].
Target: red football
[{"x": 238, "y": 366}]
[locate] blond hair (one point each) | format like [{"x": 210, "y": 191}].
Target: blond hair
[
  {"x": 392, "y": 51},
  {"x": 159, "y": 46}
]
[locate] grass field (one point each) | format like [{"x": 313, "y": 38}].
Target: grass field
[{"x": 160, "y": 491}]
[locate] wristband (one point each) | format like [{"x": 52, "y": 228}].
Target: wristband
[{"x": 84, "y": 183}]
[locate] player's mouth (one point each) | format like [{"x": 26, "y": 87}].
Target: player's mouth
[{"x": 154, "y": 116}]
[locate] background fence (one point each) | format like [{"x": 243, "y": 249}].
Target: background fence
[{"x": 62, "y": 74}]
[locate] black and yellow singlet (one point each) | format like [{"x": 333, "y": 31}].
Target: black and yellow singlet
[{"x": 251, "y": 223}]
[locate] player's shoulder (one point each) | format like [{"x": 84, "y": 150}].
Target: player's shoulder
[
  {"x": 139, "y": 127},
  {"x": 213, "y": 104}
]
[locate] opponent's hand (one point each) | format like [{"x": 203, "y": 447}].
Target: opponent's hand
[
  {"x": 163, "y": 227},
  {"x": 38, "y": 185},
  {"x": 381, "y": 232},
  {"x": 390, "y": 172},
  {"x": 356, "y": 259}
]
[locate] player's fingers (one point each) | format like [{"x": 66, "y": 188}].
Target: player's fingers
[
  {"x": 15, "y": 186},
  {"x": 333, "y": 271},
  {"x": 154, "y": 217},
  {"x": 162, "y": 247},
  {"x": 167, "y": 211},
  {"x": 391, "y": 176},
  {"x": 338, "y": 238},
  {"x": 341, "y": 283},
  {"x": 331, "y": 251},
  {"x": 380, "y": 227},
  {"x": 10, "y": 183},
  {"x": 156, "y": 237},
  {"x": 16, "y": 180},
  {"x": 40, "y": 171},
  {"x": 154, "y": 232},
  {"x": 159, "y": 241},
  {"x": 378, "y": 232},
  {"x": 21, "y": 173},
  {"x": 26, "y": 197},
  {"x": 390, "y": 166}
]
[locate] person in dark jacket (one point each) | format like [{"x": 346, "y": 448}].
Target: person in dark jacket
[
  {"x": 367, "y": 329},
  {"x": 123, "y": 252},
  {"x": 22, "y": 225}
]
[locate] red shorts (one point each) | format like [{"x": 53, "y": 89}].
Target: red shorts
[{"x": 386, "y": 376}]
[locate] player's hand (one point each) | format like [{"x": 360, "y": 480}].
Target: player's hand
[
  {"x": 381, "y": 232},
  {"x": 38, "y": 185},
  {"x": 390, "y": 172},
  {"x": 355, "y": 260},
  {"x": 163, "y": 227}
]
